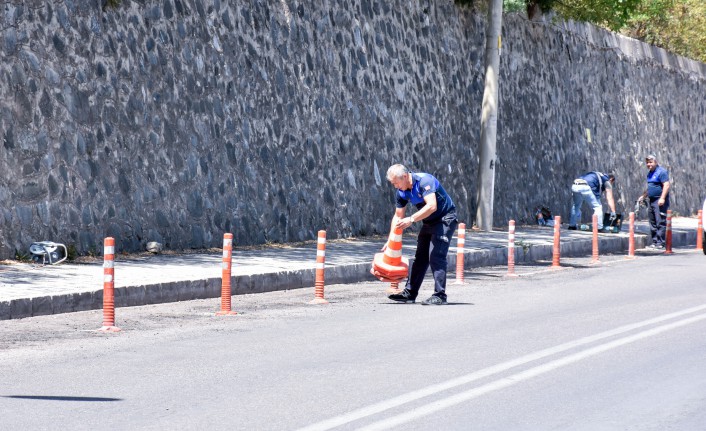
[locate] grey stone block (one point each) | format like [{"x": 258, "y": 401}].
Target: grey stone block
[
  {"x": 42, "y": 306},
  {"x": 135, "y": 295},
  {"x": 170, "y": 291},
  {"x": 87, "y": 301},
  {"x": 213, "y": 288},
  {"x": 120, "y": 296},
  {"x": 5, "y": 309},
  {"x": 185, "y": 290},
  {"x": 62, "y": 303},
  {"x": 20, "y": 308},
  {"x": 153, "y": 294}
]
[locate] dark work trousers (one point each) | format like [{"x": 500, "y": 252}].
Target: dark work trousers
[
  {"x": 432, "y": 247},
  {"x": 658, "y": 221}
]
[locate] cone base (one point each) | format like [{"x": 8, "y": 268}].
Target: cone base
[
  {"x": 318, "y": 301},
  {"x": 108, "y": 329},
  {"x": 226, "y": 313},
  {"x": 513, "y": 275}
]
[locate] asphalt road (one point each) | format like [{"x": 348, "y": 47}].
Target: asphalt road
[{"x": 619, "y": 345}]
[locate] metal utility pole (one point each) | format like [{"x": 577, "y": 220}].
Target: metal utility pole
[{"x": 489, "y": 118}]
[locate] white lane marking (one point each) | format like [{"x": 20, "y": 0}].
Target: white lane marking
[
  {"x": 459, "y": 398},
  {"x": 495, "y": 369}
]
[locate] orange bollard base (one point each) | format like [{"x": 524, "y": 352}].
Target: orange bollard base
[
  {"x": 109, "y": 329},
  {"x": 392, "y": 291},
  {"x": 318, "y": 301},
  {"x": 226, "y": 313},
  {"x": 459, "y": 281},
  {"x": 513, "y": 275},
  {"x": 631, "y": 257},
  {"x": 668, "y": 252}
]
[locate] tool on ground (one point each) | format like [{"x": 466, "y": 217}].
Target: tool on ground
[{"x": 48, "y": 252}]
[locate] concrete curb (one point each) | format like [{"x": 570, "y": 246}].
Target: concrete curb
[{"x": 294, "y": 279}]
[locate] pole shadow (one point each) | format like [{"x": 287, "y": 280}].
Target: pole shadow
[{"x": 61, "y": 398}]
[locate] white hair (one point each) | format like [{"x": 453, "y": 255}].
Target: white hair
[{"x": 396, "y": 171}]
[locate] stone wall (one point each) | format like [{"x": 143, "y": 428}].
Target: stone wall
[{"x": 179, "y": 120}]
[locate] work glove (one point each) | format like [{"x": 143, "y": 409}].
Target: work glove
[{"x": 612, "y": 217}]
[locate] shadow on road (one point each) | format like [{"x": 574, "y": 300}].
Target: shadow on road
[{"x": 60, "y": 398}]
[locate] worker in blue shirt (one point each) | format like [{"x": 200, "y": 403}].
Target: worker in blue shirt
[
  {"x": 437, "y": 212},
  {"x": 657, "y": 196},
  {"x": 588, "y": 188}
]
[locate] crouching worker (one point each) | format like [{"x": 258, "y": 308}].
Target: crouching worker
[
  {"x": 588, "y": 187},
  {"x": 437, "y": 212}
]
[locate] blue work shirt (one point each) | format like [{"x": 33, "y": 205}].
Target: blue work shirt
[
  {"x": 655, "y": 182},
  {"x": 598, "y": 185},
  {"x": 424, "y": 185}
]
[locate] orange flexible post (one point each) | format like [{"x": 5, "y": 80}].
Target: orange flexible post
[
  {"x": 394, "y": 288},
  {"x": 320, "y": 264},
  {"x": 511, "y": 249},
  {"x": 109, "y": 286},
  {"x": 595, "y": 240},
  {"x": 668, "y": 248},
  {"x": 700, "y": 232},
  {"x": 459, "y": 252},
  {"x": 556, "y": 257},
  {"x": 226, "y": 293},
  {"x": 631, "y": 239}
]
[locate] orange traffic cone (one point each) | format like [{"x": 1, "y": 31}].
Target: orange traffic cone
[{"x": 390, "y": 265}]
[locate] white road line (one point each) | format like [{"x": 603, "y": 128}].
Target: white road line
[
  {"x": 521, "y": 376},
  {"x": 486, "y": 372}
]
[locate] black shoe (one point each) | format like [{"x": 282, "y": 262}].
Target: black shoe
[
  {"x": 573, "y": 228},
  {"x": 434, "y": 300},
  {"x": 402, "y": 297}
]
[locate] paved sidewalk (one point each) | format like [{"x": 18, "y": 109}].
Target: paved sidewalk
[{"x": 30, "y": 290}]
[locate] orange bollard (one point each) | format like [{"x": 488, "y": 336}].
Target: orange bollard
[
  {"x": 459, "y": 252},
  {"x": 109, "y": 286},
  {"x": 631, "y": 239},
  {"x": 320, "y": 263},
  {"x": 557, "y": 243},
  {"x": 394, "y": 288},
  {"x": 668, "y": 248},
  {"x": 700, "y": 232},
  {"x": 595, "y": 260},
  {"x": 511, "y": 249},
  {"x": 226, "y": 293}
]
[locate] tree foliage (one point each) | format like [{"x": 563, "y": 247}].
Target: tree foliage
[
  {"x": 678, "y": 26},
  {"x": 611, "y": 14}
]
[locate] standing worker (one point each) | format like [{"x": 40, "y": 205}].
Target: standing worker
[
  {"x": 437, "y": 212},
  {"x": 657, "y": 194},
  {"x": 588, "y": 187}
]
